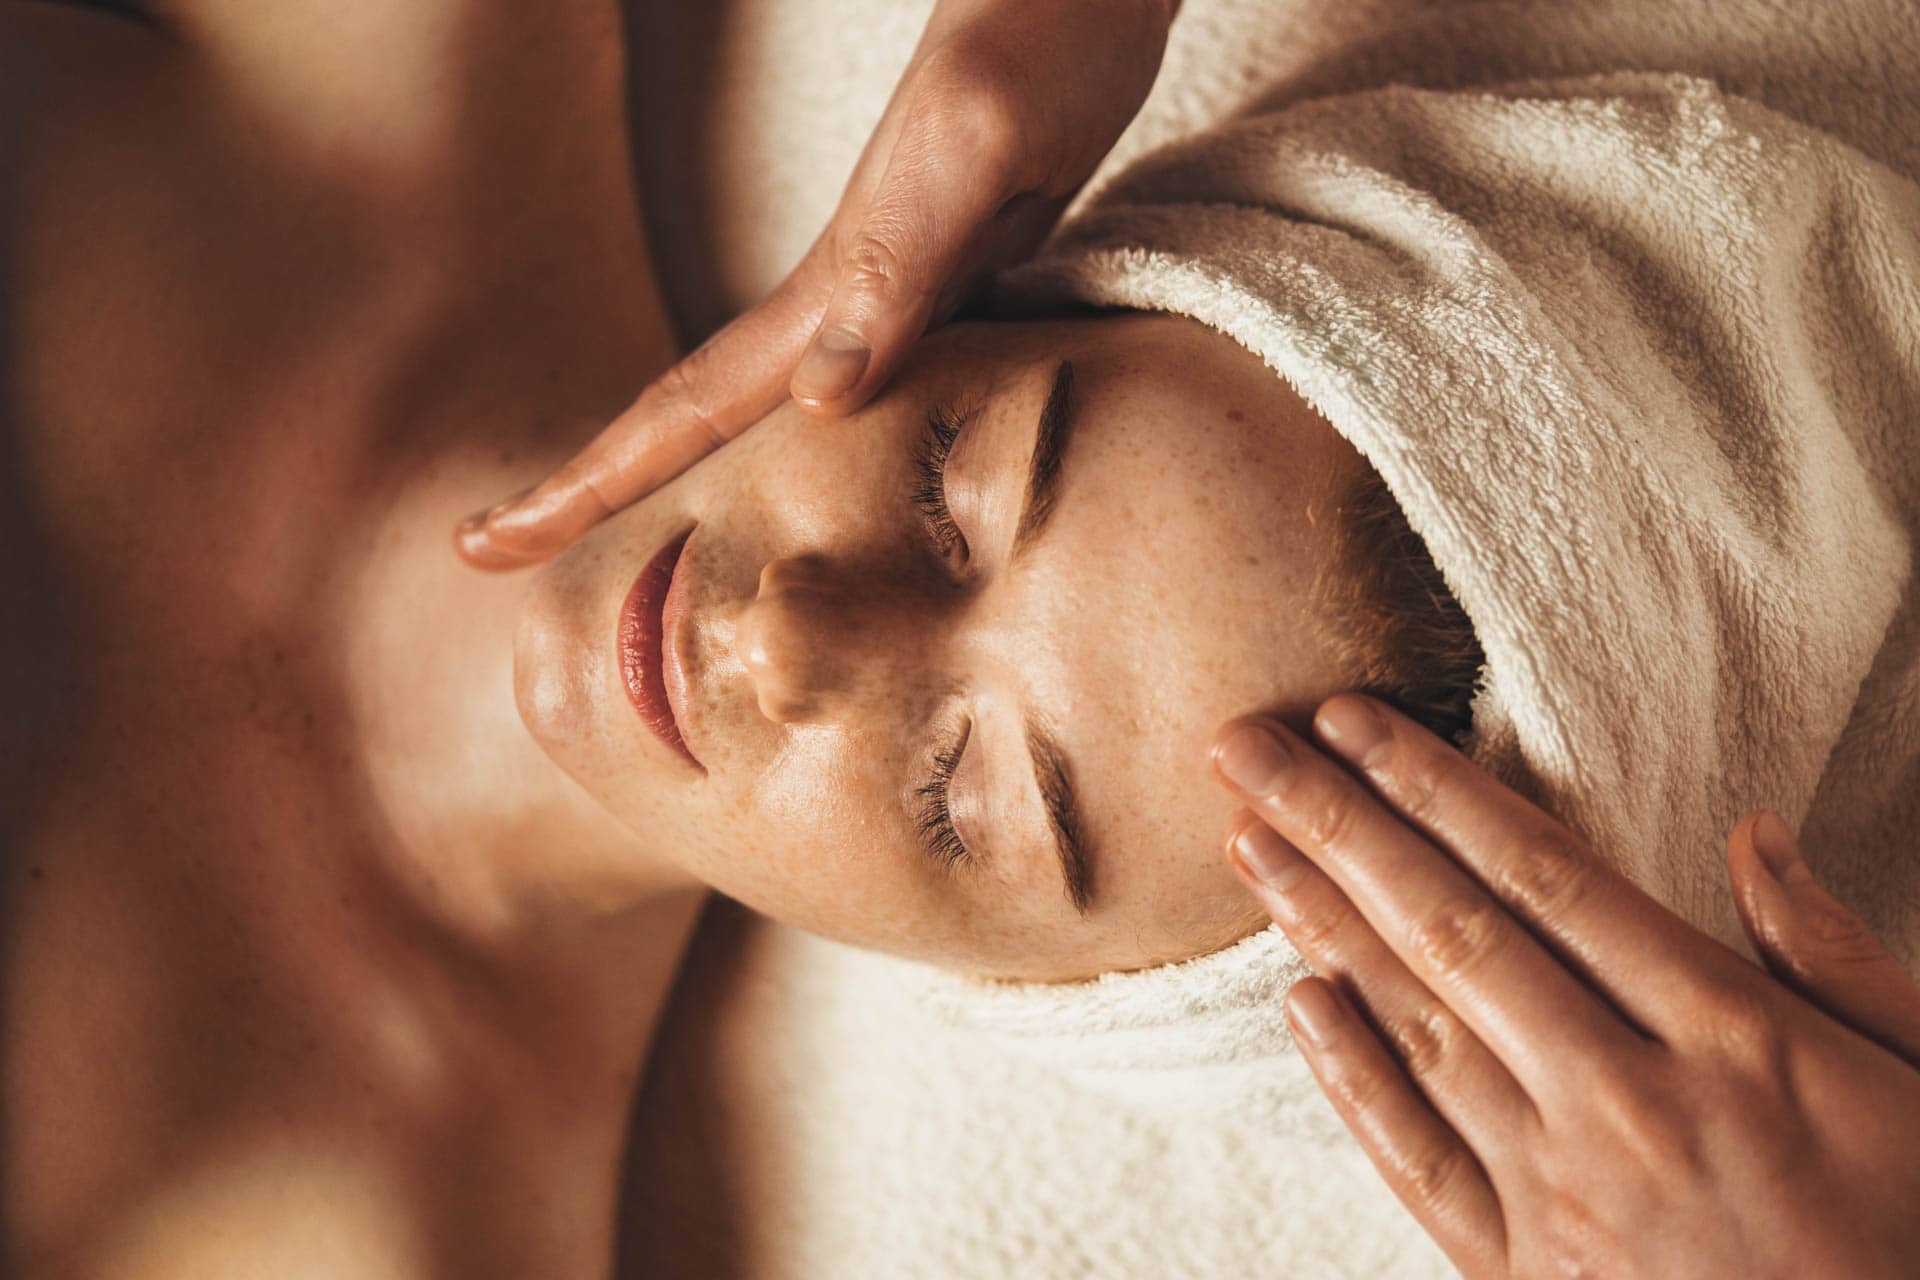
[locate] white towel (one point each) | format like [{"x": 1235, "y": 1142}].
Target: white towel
[
  {"x": 1641, "y": 362},
  {"x": 1623, "y": 305}
]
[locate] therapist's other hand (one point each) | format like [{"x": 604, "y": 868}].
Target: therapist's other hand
[
  {"x": 1004, "y": 111},
  {"x": 1556, "y": 1074}
]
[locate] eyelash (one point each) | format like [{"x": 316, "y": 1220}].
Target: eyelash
[
  {"x": 937, "y": 831},
  {"x": 936, "y": 818},
  {"x": 929, "y": 489}
]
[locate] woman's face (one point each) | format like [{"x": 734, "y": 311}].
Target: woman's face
[{"x": 954, "y": 702}]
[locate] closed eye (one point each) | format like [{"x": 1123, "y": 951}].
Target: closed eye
[
  {"x": 930, "y": 487},
  {"x": 935, "y": 818},
  {"x": 937, "y": 831}
]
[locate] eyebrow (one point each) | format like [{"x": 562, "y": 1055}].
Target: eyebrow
[
  {"x": 1043, "y": 472},
  {"x": 1063, "y": 815},
  {"x": 1049, "y": 766}
]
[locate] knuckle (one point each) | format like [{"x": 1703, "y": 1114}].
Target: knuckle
[
  {"x": 875, "y": 267},
  {"x": 1570, "y": 1236},
  {"x": 1741, "y": 1021},
  {"x": 1433, "y": 1176},
  {"x": 1331, "y": 814},
  {"x": 1355, "y": 1089},
  {"x": 1839, "y": 934},
  {"x": 1320, "y": 931},
  {"x": 1421, "y": 779},
  {"x": 1822, "y": 942},
  {"x": 988, "y": 119},
  {"x": 1453, "y": 940},
  {"x": 1425, "y": 1043},
  {"x": 603, "y": 497},
  {"x": 1548, "y": 876},
  {"x": 680, "y": 386}
]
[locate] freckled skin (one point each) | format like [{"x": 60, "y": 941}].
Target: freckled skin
[{"x": 832, "y": 646}]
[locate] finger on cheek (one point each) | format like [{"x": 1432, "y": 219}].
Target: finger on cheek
[
  {"x": 1256, "y": 756},
  {"x": 1352, "y": 726},
  {"x": 1269, "y": 864}
]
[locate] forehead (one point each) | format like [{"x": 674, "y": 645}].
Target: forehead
[{"x": 1172, "y": 591}]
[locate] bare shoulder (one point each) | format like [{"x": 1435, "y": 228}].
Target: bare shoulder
[
  {"x": 53, "y": 54},
  {"x": 218, "y": 216}
]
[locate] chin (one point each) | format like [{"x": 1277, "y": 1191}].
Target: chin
[
  {"x": 563, "y": 685},
  {"x": 572, "y": 701}
]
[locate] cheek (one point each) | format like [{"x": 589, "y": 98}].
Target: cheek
[
  {"x": 814, "y": 787},
  {"x": 815, "y": 841},
  {"x": 800, "y": 483}
]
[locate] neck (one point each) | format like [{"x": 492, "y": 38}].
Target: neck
[{"x": 505, "y": 856}]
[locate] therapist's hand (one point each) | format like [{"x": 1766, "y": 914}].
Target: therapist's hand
[
  {"x": 1004, "y": 111},
  {"x": 1557, "y": 1075}
]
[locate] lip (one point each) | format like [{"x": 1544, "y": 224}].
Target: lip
[{"x": 651, "y": 665}]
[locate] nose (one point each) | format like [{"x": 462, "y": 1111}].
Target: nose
[{"x": 818, "y": 642}]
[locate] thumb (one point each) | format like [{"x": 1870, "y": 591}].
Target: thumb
[
  {"x": 1813, "y": 943},
  {"x": 933, "y": 219}
]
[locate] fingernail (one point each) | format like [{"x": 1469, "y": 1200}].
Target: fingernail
[
  {"x": 1351, "y": 725},
  {"x": 833, "y": 362},
  {"x": 514, "y": 511},
  {"x": 1268, "y": 857},
  {"x": 1778, "y": 849},
  {"x": 1251, "y": 758},
  {"x": 1314, "y": 1014}
]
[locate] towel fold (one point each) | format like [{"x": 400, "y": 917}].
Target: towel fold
[
  {"x": 1623, "y": 302},
  {"x": 1206, "y": 1038},
  {"x": 1640, "y": 360}
]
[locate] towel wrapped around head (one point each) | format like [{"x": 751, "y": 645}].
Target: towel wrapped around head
[
  {"x": 1641, "y": 363},
  {"x": 1202, "y": 1036}
]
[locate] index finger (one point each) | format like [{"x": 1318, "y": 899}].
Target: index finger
[{"x": 728, "y": 383}]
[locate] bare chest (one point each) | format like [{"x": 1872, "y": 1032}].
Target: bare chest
[{"x": 233, "y": 330}]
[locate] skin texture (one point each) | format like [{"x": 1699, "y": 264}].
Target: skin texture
[
  {"x": 835, "y": 648},
  {"x": 1555, "y": 1074},
  {"x": 315, "y": 965}
]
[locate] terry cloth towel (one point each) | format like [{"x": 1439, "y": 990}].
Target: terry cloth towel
[
  {"x": 1640, "y": 361},
  {"x": 1623, "y": 301}
]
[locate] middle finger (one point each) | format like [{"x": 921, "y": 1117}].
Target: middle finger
[{"x": 1534, "y": 1015}]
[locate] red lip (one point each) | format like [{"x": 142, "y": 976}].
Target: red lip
[{"x": 648, "y": 656}]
